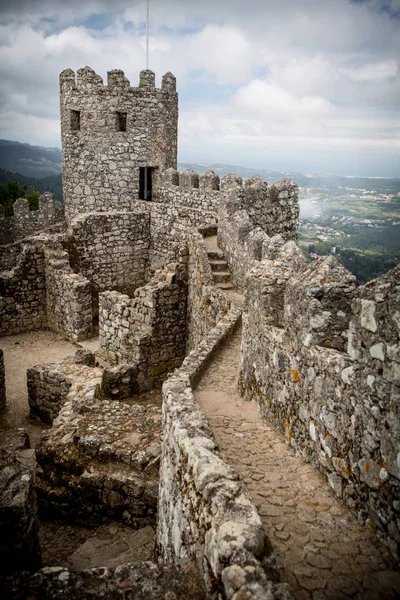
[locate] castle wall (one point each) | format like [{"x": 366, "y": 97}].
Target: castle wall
[
  {"x": 321, "y": 358},
  {"x": 249, "y": 216},
  {"x": 111, "y": 249},
  {"x": 182, "y": 201},
  {"x": 27, "y": 222},
  {"x": 204, "y": 512},
  {"x": 148, "y": 329},
  {"x": 22, "y": 291},
  {"x": 100, "y": 160},
  {"x": 68, "y": 297},
  {"x": 207, "y": 304}
]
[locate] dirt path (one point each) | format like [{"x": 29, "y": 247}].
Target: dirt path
[
  {"x": 20, "y": 353},
  {"x": 323, "y": 552}
]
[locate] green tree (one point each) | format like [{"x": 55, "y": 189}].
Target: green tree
[{"x": 11, "y": 191}]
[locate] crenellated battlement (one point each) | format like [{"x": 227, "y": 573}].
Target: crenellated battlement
[
  {"x": 26, "y": 222},
  {"x": 87, "y": 79}
]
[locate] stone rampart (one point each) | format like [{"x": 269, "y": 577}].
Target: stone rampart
[
  {"x": 249, "y": 216},
  {"x": 22, "y": 291},
  {"x": 321, "y": 357},
  {"x": 27, "y": 222},
  {"x": 68, "y": 296},
  {"x": 111, "y": 249},
  {"x": 204, "y": 511}
]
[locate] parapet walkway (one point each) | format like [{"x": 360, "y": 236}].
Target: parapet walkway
[{"x": 322, "y": 550}]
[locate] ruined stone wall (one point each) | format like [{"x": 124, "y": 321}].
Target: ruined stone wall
[
  {"x": 149, "y": 328},
  {"x": 2, "y": 382},
  {"x": 111, "y": 249},
  {"x": 68, "y": 296},
  {"x": 22, "y": 291},
  {"x": 207, "y": 304},
  {"x": 27, "y": 222},
  {"x": 19, "y": 547},
  {"x": 203, "y": 511},
  {"x": 321, "y": 358},
  {"x": 100, "y": 458},
  {"x": 108, "y": 132}
]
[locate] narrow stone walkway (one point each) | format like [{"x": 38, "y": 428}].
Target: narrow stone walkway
[{"x": 322, "y": 550}]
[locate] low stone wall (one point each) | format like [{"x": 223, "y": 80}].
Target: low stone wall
[
  {"x": 148, "y": 329},
  {"x": 204, "y": 511},
  {"x": 22, "y": 291},
  {"x": 139, "y": 581},
  {"x": 49, "y": 385},
  {"x": 321, "y": 358},
  {"x": 2, "y": 382},
  {"x": 111, "y": 249},
  {"x": 27, "y": 222},
  {"x": 19, "y": 542},
  {"x": 68, "y": 297},
  {"x": 100, "y": 458},
  {"x": 207, "y": 304}
]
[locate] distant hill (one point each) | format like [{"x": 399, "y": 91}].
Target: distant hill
[
  {"x": 52, "y": 183},
  {"x": 30, "y": 161},
  {"x": 41, "y": 167}
]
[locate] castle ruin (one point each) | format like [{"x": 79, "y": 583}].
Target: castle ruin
[{"x": 165, "y": 267}]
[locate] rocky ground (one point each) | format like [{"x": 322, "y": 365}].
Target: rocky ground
[{"x": 322, "y": 550}]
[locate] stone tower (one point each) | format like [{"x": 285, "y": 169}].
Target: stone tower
[{"x": 116, "y": 139}]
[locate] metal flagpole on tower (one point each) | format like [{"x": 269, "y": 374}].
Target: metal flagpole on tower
[{"x": 147, "y": 34}]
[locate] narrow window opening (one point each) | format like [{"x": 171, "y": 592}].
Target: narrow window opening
[
  {"x": 121, "y": 121},
  {"x": 145, "y": 183},
  {"x": 75, "y": 120}
]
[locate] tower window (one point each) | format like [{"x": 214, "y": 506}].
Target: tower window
[
  {"x": 121, "y": 121},
  {"x": 145, "y": 183},
  {"x": 75, "y": 120}
]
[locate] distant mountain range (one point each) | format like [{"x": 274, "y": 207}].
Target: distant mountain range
[
  {"x": 41, "y": 167},
  {"x": 31, "y": 161}
]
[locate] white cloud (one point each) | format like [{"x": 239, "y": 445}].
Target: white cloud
[{"x": 312, "y": 74}]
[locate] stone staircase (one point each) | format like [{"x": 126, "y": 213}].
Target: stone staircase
[{"x": 219, "y": 266}]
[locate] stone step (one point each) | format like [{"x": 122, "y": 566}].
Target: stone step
[
  {"x": 221, "y": 276},
  {"x": 225, "y": 286},
  {"x": 215, "y": 254},
  {"x": 218, "y": 265}
]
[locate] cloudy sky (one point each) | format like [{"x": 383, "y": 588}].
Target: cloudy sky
[{"x": 307, "y": 85}]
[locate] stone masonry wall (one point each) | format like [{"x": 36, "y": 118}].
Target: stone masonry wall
[
  {"x": 207, "y": 304},
  {"x": 22, "y": 291},
  {"x": 182, "y": 201},
  {"x": 49, "y": 385},
  {"x": 108, "y": 132},
  {"x": 149, "y": 328},
  {"x": 2, "y": 382},
  {"x": 249, "y": 217},
  {"x": 111, "y": 249},
  {"x": 27, "y": 222},
  {"x": 321, "y": 357},
  {"x": 100, "y": 458},
  {"x": 204, "y": 512},
  {"x": 68, "y": 297}
]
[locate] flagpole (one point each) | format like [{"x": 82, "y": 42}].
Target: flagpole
[{"x": 147, "y": 34}]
